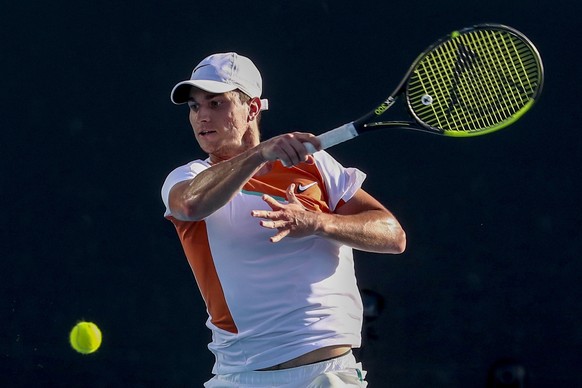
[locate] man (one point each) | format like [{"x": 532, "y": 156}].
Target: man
[{"x": 268, "y": 231}]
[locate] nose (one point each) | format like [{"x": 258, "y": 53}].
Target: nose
[{"x": 201, "y": 115}]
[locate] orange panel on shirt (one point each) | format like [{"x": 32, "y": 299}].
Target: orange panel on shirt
[
  {"x": 194, "y": 238},
  {"x": 275, "y": 184}
]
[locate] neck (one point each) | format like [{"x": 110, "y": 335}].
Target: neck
[{"x": 250, "y": 139}]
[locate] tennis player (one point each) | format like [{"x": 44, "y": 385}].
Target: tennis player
[{"x": 268, "y": 231}]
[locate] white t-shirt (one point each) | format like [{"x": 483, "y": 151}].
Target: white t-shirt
[{"x": 271, "y": 302}]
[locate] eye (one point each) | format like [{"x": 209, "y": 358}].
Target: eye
[
  {"x": 215, "y": 103},
  {"x": 194, "y": 106}
]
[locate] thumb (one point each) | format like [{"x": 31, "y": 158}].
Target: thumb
[{"x": 291, "y": 198}]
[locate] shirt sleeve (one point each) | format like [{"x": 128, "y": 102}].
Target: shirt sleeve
[
  {"x": 341, "y": 182},
  {"x": 180, "y": 174}
]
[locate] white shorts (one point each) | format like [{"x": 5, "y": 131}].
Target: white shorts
[{"x": 342, "y": 372}]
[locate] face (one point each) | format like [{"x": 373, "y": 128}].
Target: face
[{"x": 222, "y": 124}]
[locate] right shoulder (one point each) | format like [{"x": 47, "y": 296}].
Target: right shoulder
[
  {"x": 183, "y": 173},
  {"x": 191, "y": 169}
]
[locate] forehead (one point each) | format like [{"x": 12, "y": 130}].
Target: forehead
[{"x": 202, "y": 95}]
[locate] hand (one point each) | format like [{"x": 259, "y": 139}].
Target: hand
[
  {"x": 288, "y": 148},
  {"x": 291, "y": 219}
]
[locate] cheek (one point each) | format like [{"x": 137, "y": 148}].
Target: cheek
[
  {"x": 191, "y": 117},
  {"x": 237, "y": 121}
]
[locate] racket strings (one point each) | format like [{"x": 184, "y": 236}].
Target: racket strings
[
  {"x": 479, "y": 89},
  {"x": 474, "y": 81},
  {"x": 463, "y": 75},
  {"x": 513, "y": 83}
]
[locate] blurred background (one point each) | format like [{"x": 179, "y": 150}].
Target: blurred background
[{"x": 488, "y": 291}]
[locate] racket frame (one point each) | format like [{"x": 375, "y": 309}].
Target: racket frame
[{"x": 367, "y": 123}]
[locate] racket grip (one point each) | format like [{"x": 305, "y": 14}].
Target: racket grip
[{"x": 333, "y": 137}]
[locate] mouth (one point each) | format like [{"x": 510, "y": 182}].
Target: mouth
[{"x": 204, "y": 133}]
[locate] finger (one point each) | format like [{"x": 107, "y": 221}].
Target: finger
[
  {"x": 315, "y": 142},
  {"x": 291, "y": 197},
  {"x": 282, "y": 148},
  {"x": 279, "y": 236},
  {"x": 310, "y": 142},
  {"x": 274, "y": 224},
  {"x": 293, "y": 151},
  {"x": 272, "y": 202},
  {"x": 260, "y": 213},
  {"x": 306, "y": 137},
  {"x": 295, "y": 146}
]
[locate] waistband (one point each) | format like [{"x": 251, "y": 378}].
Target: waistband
[
  {"x": 293, "y": 375},
  {"x": 283, "y": 366}
]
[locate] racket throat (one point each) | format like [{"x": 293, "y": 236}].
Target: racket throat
[
  {"x": 400, "y": 125},
  {"x": 361, "y": 123},
  {"x": 385, "y": 106}
]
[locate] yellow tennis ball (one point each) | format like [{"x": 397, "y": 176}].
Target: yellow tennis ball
[{"x": 85, "y": 337}]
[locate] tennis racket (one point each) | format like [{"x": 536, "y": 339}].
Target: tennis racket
[{"x": 471, "y": 82}]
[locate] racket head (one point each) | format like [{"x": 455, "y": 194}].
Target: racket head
[{"x": 474, "y": 81}]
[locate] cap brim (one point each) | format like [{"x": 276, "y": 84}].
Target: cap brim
[{"x": 181, "y": 92}]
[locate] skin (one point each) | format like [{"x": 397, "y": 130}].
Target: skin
[{"x": 227, "y": 130}]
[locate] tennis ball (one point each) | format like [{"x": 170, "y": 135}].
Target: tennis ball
[{"x": 85, "y": 337}]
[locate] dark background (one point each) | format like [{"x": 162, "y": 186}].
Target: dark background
[{"x": 88, "y": 134}]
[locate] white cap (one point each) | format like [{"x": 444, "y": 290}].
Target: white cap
[{"x": 221, "y": 73}]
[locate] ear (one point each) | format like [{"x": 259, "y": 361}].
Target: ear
[{"x": 254, "y": 108}]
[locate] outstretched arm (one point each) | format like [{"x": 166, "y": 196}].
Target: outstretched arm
[{"x": 362, "y": 223}]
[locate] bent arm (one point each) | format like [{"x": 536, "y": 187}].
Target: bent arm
[
  {"x": 361, "y": 223},
  {"x": 364, "y": 224},
  {"x": 197, "y": 198}
]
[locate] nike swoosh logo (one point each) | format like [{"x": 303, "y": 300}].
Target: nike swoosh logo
[{"x": 302, "y": 188}]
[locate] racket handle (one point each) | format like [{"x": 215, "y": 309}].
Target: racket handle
[{"x": 333, "y": 137}]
